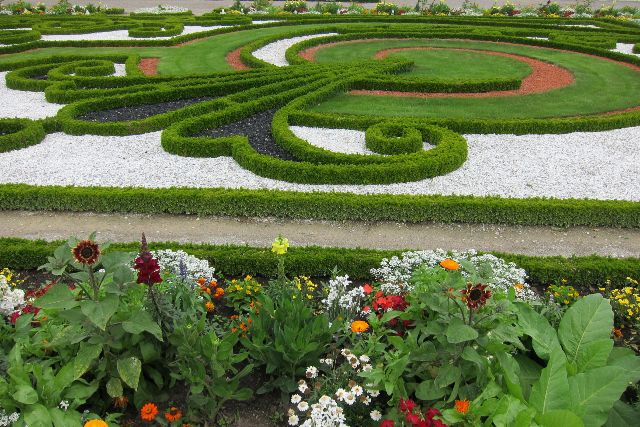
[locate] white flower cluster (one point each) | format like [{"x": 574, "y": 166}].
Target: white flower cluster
[
  {"x": 395, "y": 273},
  {"x": 342, "y": 298},
  {"x": 7, "y": 420},
  {"x": 186, "y": 266},
  {"x": 327, "y": 412},
  {"x": 10, "y": 299}
]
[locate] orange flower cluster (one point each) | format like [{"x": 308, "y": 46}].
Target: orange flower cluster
[
  {"x": 173, "y": 414},
  {"x": 96, "y": 423},
  {"x": 449, "y": 264},
  {"x": 359, "y": 326},
  {"x": 242, "y": 326},
  {"x": 212, "y": 289},
  {"x": 462, "y": 406}
]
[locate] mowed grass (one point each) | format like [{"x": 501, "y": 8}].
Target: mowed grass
[
  {"x": 446, "y": 65},
  {"x": 599, "y": 86}
]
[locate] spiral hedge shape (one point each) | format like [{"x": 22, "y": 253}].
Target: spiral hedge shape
[
  {"x": 393, "y": 138},
  {"x": 19, "y": 133}
]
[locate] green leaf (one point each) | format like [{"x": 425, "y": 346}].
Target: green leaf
[
  {"x": 552, "y": 390},
  {"x": 99, "y": 312},
  {"x": 87, "y": 354},
  {"x": 623, "y": 415},
  {"x": 427, "y": 390},
  {"x": 511, "y": 371},
  {"x": 559, "y": 417},
  {"x": 588, "y": 320},
  {"x": 114, "y": 387},
  {"x": 544, "y": 337},
  {"x": 129, "y": 369},
  {"x": 37, "y": 416},
  {"x": 65, "y": 376},
  {"x": 529, "y": 373},
  {"x": 25, "y": 394},
  {"x": 447, "y": 374},
  {"x": 141, "y": 321},
  {"x": 594, "y": 393},
  {"x": 458, "y": 332},
  {"x": 59, "y": 297},
  {"x": 507, "y": 410}
]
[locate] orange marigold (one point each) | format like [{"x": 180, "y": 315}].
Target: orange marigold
[
  {"x": 96, "y": 423},
  {"x": 359, "y": 326},
  {"x": 462, "y": 406},
  {"x": 202, "y": 281},
  {"x": 209, "y": 306},
  {"x": 243, "y": 326},
  {"x": 149, "y": 412},
  {"x": 617, "y": 333},
  {"x": 449, "y": 264},
  {"x": 173, "y": 414},
  {"x": 219, "y": 293}
]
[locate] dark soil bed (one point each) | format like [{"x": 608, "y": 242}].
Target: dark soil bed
[
  {"x": 258, "y": 129},
  {"x": 138, "y": 112}
]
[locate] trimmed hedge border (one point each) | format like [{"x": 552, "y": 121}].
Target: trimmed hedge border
[
  {"x": 329, "y": 206},
  {"x": 19, "y": 133},
  {"x": 581, "y": 272}
]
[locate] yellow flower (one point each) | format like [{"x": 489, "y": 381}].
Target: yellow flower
[{"x": 280, "y": 245}]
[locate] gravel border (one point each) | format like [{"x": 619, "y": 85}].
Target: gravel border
[
  {"x": 594, "y": 165},
  {"x": 123, "y": 34},
  {"x": 23, "y": 104},
  {"x": 274, "y": 53},
  {"x": 626, "y": 48}
]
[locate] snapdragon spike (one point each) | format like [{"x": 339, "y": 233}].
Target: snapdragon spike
[{"x": 147, "y": 266}]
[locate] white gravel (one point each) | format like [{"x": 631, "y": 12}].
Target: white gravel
[
  {"x": 625, "y": 48},
  {"x": 538, "y": 38},
  {"x": 121, "y": 34},
  {"x": 266, "y": 21},
  {"x": 579, "y": 25},
  {"x": 274, "y": 53},
  {"x": 22, "y": 104},
  {"x": 601, "y": 165}
]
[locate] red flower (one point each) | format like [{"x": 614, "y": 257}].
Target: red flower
[
  {"x": 147, "y": 266},
  {"x": 86, "y": 252},
  {"x": 387, "y": 423},
  {"x": 366, "y": 309},
  {"x": 367, "y": 288},
  {"x": 412, "y": 418},
  {"x": 475, "y": 296},
  {"x": 406, "y": 405},
  {"x": 27, "y": 309},
  {"x": 431, "y": 412}
]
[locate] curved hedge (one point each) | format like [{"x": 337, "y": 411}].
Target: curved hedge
[
  {"x": 393, "y": 138},
  {"x": 19, "y": 133}
]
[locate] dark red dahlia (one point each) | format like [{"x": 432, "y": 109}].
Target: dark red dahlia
[
  {"x": 86, "y": 252},
  {"x": 475, "y": 296}
]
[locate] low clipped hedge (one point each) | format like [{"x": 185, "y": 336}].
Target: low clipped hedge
[
  {"x": 324, "y": 206},
  {"x": 19, "y": 133},
  {"x": 390, "y": 137},
  {"x": 584, "y": 273}
]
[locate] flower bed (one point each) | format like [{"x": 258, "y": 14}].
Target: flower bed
[{"x": 162, "y": 338}]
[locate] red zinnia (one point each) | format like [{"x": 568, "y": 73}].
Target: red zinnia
[
  {"x": 406, "y": 405},
  {"x": 475, "y": 296},
  {"x": 149, "y": 412},
  {"x": 387, "y": 423},
  {"x": 367, "y": 289},
  {"x": 147, "y": 266}
]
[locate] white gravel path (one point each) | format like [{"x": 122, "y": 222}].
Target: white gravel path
[
  {"x": 22, "y": 104},
  {"x": 266, "y": 21},
  {"x": 274, "y": 53},
  {"x": 121, "y": 34},
  {"x": 625, "y": 48},
  {"x": 601, "y": 165}
]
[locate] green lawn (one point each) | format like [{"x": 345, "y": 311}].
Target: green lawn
[
  {"x": 447, "y": 65},
  {"x": 599, "y": 86}
]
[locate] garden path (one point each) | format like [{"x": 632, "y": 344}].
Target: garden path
[{"x": 535, "y": 241}]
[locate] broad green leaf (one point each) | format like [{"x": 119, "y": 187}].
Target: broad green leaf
[
  {"x": 37, "y": 416},
  {"x": 59, "y": 297},
  {"x": 507, "y": 410},
  {"x": 552, "y": 390},
  {"x": 114, "y": 387},
  {"x": 129, "y": 369},
  {"x": 594, "y": 354},
  {"x": 626, "y": 359},
  {"x": 588, "y": 320},
  {"x": 87, "y": 354},
  {"x": 544, "y": 337},
  {"x": 458, "y": 332},
  {"x": 25, "y": 394},
  {"x": 593, "y": 393},
  {"x": 560, "y": 418},
  {"x": 529, "y": 373},
  {"x": 623, "y": 415},
  {"x": 62, "y": 418},
  {"x": 511, "y": 371},
  {"x": 65, "y": 376},
  {"x": 141, "y": 321},
  {"x": 99, "y": 312},
  {"x": 447, "y": 374},
  {"x": 81, "y": 391},
  {"x": 427, "y": 390}
]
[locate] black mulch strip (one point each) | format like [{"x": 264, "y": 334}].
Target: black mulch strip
[
  {"x": 42, "y": 77},
  {"x": 258, "y": 129},
  {"x": 138, "y": 112}
]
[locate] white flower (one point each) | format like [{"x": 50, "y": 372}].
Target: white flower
[
  {"x": 365, "y": 400},
  {"x": 312, "y": 372},
  {"x": 328, "y": 362},
  {"x": 357, "y": 390},
  {"x": 296, "y": 398},
  {"x": 293, "y": 420},
  {"x": 303, "y": 406},
  {"x": 349, "y": 399},
  {"x": 375, "y": 415},
  {"x": 325, "y": 400},
  {"x": 302, "y": 386},
  {"x": 64, "y": 405},
  {"x": 364, "y": 358},
  {"x": 367, "y": 367},
  {"x": 340, "y": 393},
  {"x": 374, "y": 393}
]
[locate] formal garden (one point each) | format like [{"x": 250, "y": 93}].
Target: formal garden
[{"x": 509, "y": 116}]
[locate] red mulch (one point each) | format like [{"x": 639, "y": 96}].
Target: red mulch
[
  {"x": 233, "y": 59},
  {"x": 149, "y": 66}
]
